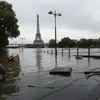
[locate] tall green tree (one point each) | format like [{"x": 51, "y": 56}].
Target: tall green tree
[
  {"x": 8, "y": 23},
  {"x": 65, "y": 42},
  {"x": 82, "y": 43},
  {"x": 52, "y": 43}
]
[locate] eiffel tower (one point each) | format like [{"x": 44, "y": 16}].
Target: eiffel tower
[{"x": 38, "y": 42}]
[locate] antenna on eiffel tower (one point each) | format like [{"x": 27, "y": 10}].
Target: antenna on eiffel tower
[{"x": 38, "y": 42}]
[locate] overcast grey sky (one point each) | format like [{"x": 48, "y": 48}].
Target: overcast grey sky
[{"x": 80, "y": 19}]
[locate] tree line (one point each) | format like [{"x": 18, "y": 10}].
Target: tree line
[{"x": 82, "y": 43}]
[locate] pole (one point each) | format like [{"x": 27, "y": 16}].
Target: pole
[
  {"x": 77, "y": 51},
  {"x": 55, "y": 14},
  {"x": 22, "y": 42},
  {"x": 69, "y": 53},
  {"x": 89, "y": 52},
  {"x": 55, "y": 35},
  {"x": 62, "y": 52}
]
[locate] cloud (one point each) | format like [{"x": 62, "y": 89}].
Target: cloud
[{"x": 78, "y": 17}]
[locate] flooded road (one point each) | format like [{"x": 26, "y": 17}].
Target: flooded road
[{"x": 29, "y": 79}]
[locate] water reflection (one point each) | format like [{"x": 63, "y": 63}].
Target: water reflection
[
  {"x": 38, "y": 60},
  {"x": 21, "y": 49},
  {"x": 10, "y": 86},
  {"x": 88, "y": 60},
  {"x": 55, "y": 60},
  {"x": 89, "y": 63}
]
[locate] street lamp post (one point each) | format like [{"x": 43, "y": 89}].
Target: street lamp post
[
  {"x": 55, "y": 14},
  {"x": 22, "y": 42}
]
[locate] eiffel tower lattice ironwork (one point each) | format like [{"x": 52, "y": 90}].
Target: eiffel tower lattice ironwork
[{"x": 38, "y": 42}]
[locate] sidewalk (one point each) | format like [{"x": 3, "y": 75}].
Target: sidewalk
[{"x": 55, "y": 87}]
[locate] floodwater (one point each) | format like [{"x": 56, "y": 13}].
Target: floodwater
[{"x": 29, "y": 79}]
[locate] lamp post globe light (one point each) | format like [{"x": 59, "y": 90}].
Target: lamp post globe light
[{"x": 55, "y": 14}]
